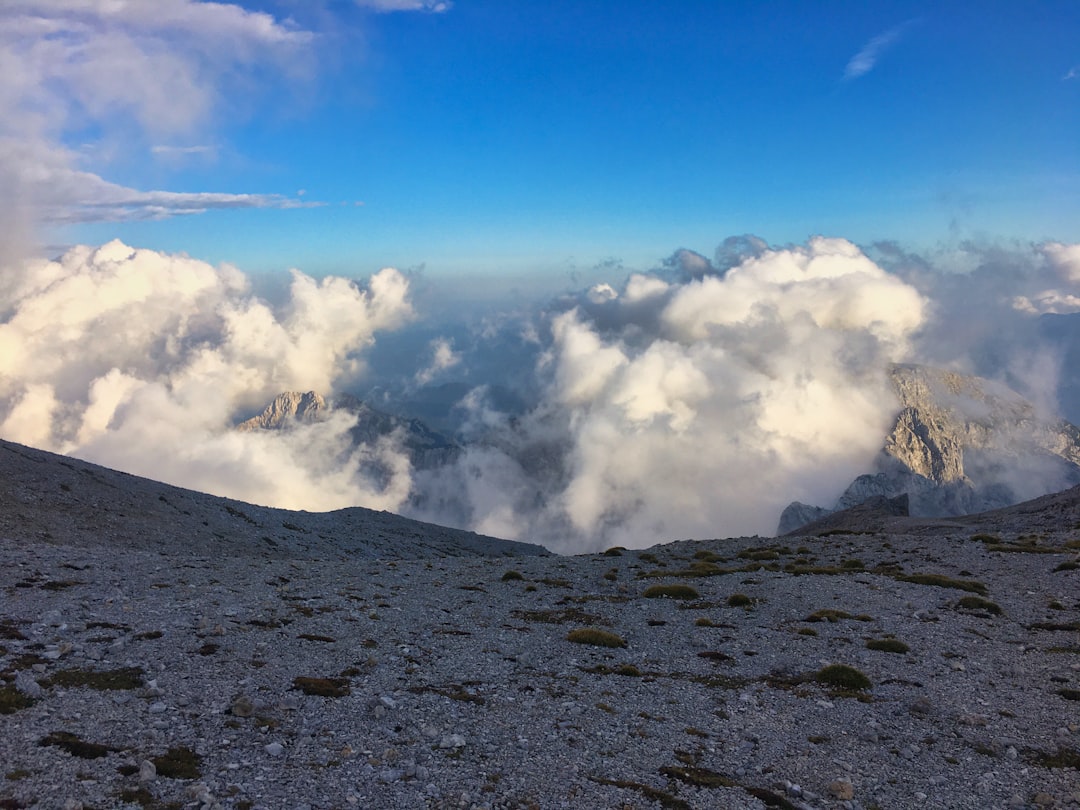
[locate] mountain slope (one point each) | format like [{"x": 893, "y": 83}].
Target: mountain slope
[{"x": 51, "y": 498}]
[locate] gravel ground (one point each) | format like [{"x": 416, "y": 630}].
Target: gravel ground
[{"x": 139, "y": 674}]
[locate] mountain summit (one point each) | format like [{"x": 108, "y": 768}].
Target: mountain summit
[{"x": 959, "y": 445}]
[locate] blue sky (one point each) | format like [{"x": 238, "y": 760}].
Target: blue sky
[{"x": 516, "y": 138}]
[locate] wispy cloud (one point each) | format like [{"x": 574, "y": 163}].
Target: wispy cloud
[
  {"x": 865, "y": 60},
  {"x": 1074, "y": 73},
  {"x": 384, "y": 6},
  {"x": 159, "y": 71}
]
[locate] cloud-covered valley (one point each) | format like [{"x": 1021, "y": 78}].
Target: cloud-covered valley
[{"x": 694, "y": 400}]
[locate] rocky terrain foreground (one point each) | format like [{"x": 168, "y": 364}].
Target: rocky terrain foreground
[{"x": 160, "y": 648}]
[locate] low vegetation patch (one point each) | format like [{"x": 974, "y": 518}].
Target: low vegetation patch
[
  {"x": 942, "y": 581},
  {"x": 1062, "y": 758},
  {"x": 670, "y": 591},
  {"x": 739, "y": 600},
  {"x": 126, "y": 678},
  {"x": 561, "y": 616},
  {"x": 10, "y": 632},
  {"x": 322, "y": 687},
  {"x": 977, "y": 603},
  {"x": 66, "y": 741},
  {"x": 511, "y": 576},
  {"x": 595, "y": 637},
  {"x": 665, "y": 799},
  {"x": 833, "y": 616},
  {"x": 842, "y": 676},
  {"x": 1068, "y": 565},
  {"x": 891, "y": 645},
  {"x": 178, "y": 763},
  {"x": 12, "y": 700}
]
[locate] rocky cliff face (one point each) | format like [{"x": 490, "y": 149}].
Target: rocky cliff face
[{"x": 959, "y": 445}]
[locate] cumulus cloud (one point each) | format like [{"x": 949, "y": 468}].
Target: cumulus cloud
[
  {"x": 143, "y": 361},
  {"x": 127, "y": 69},
  {"x": 867, "y": 57},
  {"x": 702, "y": 407}
]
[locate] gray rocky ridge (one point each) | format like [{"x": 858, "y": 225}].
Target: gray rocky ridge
[
  {"x": 160, "y": 648},
  {"x": 959, "y": 445}
]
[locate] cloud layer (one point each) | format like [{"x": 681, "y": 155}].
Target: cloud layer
[
  {"x": 143, "y": 361},
  {"x": 693, "y": 401}
]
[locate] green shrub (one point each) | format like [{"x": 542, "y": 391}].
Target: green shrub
[
  {"x": 739, "y": 600},
  {"x": 596, "y": 637},
  {"x": 512, "y": 575},
  {"x": 671, "y": 591}
]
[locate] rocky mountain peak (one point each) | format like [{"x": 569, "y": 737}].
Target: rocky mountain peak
[{"x": 287, "y": 408}]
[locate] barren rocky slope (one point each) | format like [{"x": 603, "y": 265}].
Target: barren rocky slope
[{"x": 148, "y": 660}]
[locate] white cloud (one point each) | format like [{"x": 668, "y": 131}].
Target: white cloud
[
  {"x": 867, "y": 58},
  {"x": 1072, "y": 73},
  {"x": 126, "y": 69},
  {"x": 443, "y": 357},
  {"x": 143, "y": 361},
  {"x": 385, "y": 6}
]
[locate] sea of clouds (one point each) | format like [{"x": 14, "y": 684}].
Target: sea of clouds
[{"x": 696, "y": 400}]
